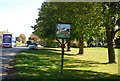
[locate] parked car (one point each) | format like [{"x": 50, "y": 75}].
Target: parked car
[{"x": 32, "y": 46}]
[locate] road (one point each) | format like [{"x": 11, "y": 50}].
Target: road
[{"x": 6, "y": 56}]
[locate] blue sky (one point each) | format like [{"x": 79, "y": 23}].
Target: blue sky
[{"x": 19, "y": 15}]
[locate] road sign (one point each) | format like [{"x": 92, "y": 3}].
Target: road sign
[{"x": 63, "y": 30}]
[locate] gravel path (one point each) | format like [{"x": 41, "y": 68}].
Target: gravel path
[{"x": 7, "y": 56}]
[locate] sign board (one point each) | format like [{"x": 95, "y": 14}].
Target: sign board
[
  {"x": 7, "y": 38},
  {"x": 63, "y": 30}
]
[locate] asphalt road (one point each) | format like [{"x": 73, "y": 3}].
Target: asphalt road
[{"x": 6, "y": 56}]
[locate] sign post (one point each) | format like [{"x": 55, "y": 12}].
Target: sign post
[
  {"x": 62, "y": 57},
  {"x": 63, "y": 32}
]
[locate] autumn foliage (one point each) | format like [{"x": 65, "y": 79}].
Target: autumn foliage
[{"x": 23, "y": 38}]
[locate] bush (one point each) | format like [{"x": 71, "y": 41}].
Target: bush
[
  {"x": 74, "y": 44},
  {"x": 52, "y": 44},
  {"x": 117, "y": 44},
  {"x": 92, "y": 44},
  {"x": 100, "y": 44},
  {"x": 28, "y": 42},
  {"x": 18, "y": 43}
]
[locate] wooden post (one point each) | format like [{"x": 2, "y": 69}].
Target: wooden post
[{"x": 62, "y": 57}]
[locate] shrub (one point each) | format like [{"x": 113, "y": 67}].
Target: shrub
[
  {"x": 18, "y": 43},
  {"x": 100, "y": 44},
  {"x": 28, "y": 42},
  {"x": 75, "y": 44},
  {"x": 52, "y": 44},
  {"x": 117, "y": 44},
  {"x": 92, "y": 44}
]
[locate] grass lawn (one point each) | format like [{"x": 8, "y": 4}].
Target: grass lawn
[{"x": 45, "y": 64}]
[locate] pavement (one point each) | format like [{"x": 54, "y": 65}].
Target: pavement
[{"x": 7, "y": 56}]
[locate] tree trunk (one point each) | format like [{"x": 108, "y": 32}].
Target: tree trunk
[
  {"x": 81, "y": 47},
  {"x": 110, "y": 37},
  {"x": 68, "y": 45}
]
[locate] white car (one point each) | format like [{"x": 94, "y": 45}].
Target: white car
[{"x": 32, "y": 46}]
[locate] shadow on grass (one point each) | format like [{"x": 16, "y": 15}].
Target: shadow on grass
[{"x": 45, "y": 64}]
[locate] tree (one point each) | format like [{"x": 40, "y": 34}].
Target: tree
[
  {"x": 34, "y": 38},
  {"x": 18, "y": 39},
  {"x": 110, "y": 15},
  {"x": 23, "y": 37},
  {"x": 83, "y": 16},
  {"x": 89, "y": 25}
]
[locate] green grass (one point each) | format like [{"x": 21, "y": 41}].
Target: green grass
[{"x": 45, "y": 64}]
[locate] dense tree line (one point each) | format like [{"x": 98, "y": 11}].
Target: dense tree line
[{"x": 88, "y": 20}]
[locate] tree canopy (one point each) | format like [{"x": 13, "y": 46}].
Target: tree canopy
[
  {"x": 34, "y": 37},
  {"x": 23, "y": 38},
  {"x": 83, "y": 16},
  {"x": 91, "y": 19}
]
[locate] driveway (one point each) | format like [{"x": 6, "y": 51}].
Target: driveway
[{"x": 6, "y": 56}]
